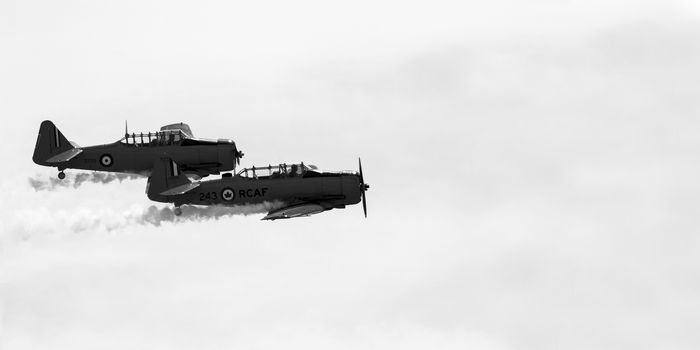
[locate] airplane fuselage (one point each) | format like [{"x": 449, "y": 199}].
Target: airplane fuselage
[
  {"x": 329, "y": 190},
  {"x": 126, "y": 158},
  {"x": 136, "y": 153}
]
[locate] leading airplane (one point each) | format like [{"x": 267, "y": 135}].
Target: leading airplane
[
  {"x": 303, "y": 190},
  {"x": 136, "y": 153}
]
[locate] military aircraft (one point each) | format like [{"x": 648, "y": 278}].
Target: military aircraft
[
  {"x": 303, "y": 190},
  {"x": 136, "y": 153}
]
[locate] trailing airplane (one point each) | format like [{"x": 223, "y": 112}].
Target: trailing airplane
[
  {"x": 136, "y": 153},
  {"x": 303, "y": 190}
]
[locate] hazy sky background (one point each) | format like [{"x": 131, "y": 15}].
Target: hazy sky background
[{"x": 534, "y": 173}]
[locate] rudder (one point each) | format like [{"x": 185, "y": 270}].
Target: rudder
[
  {"x": 166, "y": 179},
  {"x": 49, "y": 142}
]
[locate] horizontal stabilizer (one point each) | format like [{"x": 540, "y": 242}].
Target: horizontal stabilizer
[
  {"x": 180, "y": 189},
  {"x": 65, "y": 156},
  {"x": 297, "y": 210}
]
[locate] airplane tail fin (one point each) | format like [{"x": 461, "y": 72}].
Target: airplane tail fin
[
  {"x": 167, "y": 180},
  {"x": 49, "y": 143}
]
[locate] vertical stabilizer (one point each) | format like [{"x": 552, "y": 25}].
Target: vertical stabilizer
[
  {"x": 49, "y": 143},
  {"x": 167, "y": 180}
]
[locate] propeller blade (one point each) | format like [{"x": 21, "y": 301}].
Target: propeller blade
[
  {"x": 362, "y": 179},
  {"x": 364, "y": 203},
  {"x": 363, "y": 187}
]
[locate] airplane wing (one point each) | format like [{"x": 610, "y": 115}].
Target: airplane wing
[
  {"x": 65, "y": 156},
  {"x": 294, "y": 211}
]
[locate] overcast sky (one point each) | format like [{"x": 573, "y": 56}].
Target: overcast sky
[{"x": 533, "y": 170}]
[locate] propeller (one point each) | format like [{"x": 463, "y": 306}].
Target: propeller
[
  {"x": 126, "y": 128},
  {"x": 363, "y": 188},
  {"x": 237, "y": 155}
]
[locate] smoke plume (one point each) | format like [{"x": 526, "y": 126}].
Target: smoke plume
[
  {"x": 43, "y": 183},
  {"x": 35, "y": 222},
  {"x": 155, "y": 216}
]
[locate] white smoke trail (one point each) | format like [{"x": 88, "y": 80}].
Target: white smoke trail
[
  {"x": 43, "y": 183},
  {"x": 155, "y": 216},
  {"x": 28, "y": 223}
]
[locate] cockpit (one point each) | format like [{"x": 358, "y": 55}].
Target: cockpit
[
  {"x": 287, "y": 171},
  {"x": 171, "y": 137},
  {"x": 159, "y": 138}
]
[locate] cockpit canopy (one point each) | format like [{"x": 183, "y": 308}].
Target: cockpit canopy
[
  {"x": 179, "y": 126},
  {"x": 173, "y": 134},
  {"x": 287, "y": 170},
  {"x": 159, "y": 138}
]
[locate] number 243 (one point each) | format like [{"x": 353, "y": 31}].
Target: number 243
[{"x": 208, "y": 195}]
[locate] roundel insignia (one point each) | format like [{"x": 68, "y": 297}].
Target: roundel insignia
[
  {"x": 227, "y": 194},
  {"x": 106, "y": 160}
]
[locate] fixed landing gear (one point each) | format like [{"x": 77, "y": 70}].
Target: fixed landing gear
[
  {"x": 61, "y": 175},
  {"x": 177, "y": 211}
]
